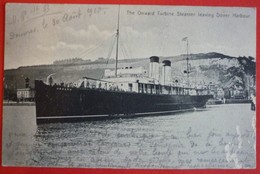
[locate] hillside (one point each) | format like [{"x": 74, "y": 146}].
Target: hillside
[{"x": 206, "y": 68}]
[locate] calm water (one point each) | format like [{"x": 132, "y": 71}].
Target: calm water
[{"x": 220, "y": 136}]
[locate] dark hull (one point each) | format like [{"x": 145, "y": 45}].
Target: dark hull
[{"x": 59, "y": 104}]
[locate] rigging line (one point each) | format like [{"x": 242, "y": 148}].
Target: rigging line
[
  {"x": 125, "y": 50},
  {"x": 130, "y": 55},
  {"x": 109, "y": 54},
  {"x": 92, "y": 50},
  {"x": 126, "y": 53},
  {"x": 122, "y": 47},
  {"x": 130, "y": 40},
  {"x": 125, "y": 46},
  {"x": 101, "y": 43},
  {"x": 87, "y": 51},
  {"x": 111, "y": 50}
]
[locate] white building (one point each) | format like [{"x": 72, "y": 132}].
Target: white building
[{"x": 25, "y": 94}]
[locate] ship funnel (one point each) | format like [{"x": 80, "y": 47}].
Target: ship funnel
[
  {"x": 166, "y": 73},
  {"x": 154, "y": 68}
]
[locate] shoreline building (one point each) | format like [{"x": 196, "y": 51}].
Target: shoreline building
[{"x": 27, "y": 93}]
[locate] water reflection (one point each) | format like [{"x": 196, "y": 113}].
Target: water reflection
[{"x": 217, "y": 137}]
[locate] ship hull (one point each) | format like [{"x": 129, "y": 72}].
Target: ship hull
[{"x": 64, "y": 104}]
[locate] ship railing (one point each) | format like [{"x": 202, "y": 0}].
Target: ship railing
[
  {"x": 170, "y": 89},
  {"x": 97, "y": 84},
  {"x": 93, "y": 83}
]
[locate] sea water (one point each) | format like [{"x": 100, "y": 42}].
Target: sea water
[{"x": 219, "y": 136}]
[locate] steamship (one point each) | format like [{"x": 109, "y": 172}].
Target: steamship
[{"x": 123, "y": 93}]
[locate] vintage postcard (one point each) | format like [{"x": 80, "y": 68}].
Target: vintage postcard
[{"x": 129, "y": 86}]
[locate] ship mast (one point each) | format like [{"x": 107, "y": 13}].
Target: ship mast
[
  {"x": 188, "y": 71},
  {"x": 117, "y": 39},
  {"x": 187, "y": 59}
]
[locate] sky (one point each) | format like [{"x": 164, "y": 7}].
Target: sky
[{"x": 38, "y": 34}]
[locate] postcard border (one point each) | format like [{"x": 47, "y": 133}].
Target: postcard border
[{"x": 32, "y": 170}]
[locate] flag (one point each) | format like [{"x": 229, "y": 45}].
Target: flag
[{"x": 184, "y": 39}]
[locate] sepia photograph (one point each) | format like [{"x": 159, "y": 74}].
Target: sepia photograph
[{"x": 129, "y": 86}]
